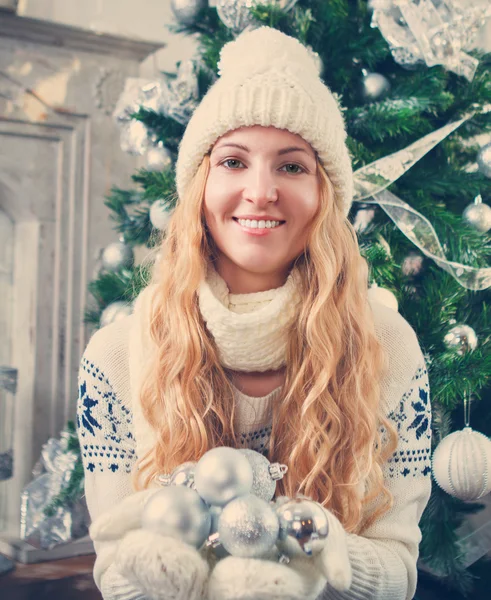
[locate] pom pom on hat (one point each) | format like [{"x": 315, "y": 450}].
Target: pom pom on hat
[
  {"x": 264, "y": 49},
  {"x": 268, "y": 78}
]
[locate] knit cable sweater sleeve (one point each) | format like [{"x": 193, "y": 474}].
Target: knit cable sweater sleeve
[
  {"x": 384, "y": 558},
  {"x": 104, "y": 426}
]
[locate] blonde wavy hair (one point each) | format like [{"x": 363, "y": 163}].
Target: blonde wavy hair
[{"x": 328, "y": 427}]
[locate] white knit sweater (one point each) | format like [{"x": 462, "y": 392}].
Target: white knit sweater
[{"x": 383, "y": 559}]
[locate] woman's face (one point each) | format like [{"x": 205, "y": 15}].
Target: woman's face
[{"x": 260, "y": 172}]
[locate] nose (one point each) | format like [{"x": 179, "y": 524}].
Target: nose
[{"x": 261, "y": 187}]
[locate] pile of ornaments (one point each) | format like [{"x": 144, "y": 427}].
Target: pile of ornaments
[{"x": 223, "y": 502}]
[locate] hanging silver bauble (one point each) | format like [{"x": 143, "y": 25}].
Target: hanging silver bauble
[
  {"x": 158, "y": 158},
  {"x": 363, "y": 218},
  {"x": 222, "y": 474},
  {"x": 478, "y": 215},
  {"x": 303, "y": 527},
  {"x": 383, "y": 296},
  {"x": 484, "y": 160},
  {"x": 178, "y": 512},
  {"x": 248, "y": 527},
  {"x": 412, "y": 264},
  {"x": 115, "y": 311},
  {"x": 134, "y": 138},
  {"x": 159, "y": 215},
  {"x": 461, "y": 464},
  {"x": 219, "y": 550},
  {"x": 462, "y": 338},
  {"x": 264, "y": 473},
  {"x": 374, "y": 86},
  {"x": 117, "y": 255},
  {"x": 186, "y": 11},
  {"x": 236, "y": 14}
]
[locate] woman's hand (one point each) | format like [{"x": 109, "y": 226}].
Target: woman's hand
[
  {"x": 159, "y": 567},
  {"x": 303, "y": 578}
]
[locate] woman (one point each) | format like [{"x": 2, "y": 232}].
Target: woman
[{"x": 261, "y": 340}]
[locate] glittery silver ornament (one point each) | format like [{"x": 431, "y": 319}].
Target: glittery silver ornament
[
  {"x": 115, "y": 311},
  {"x": 374, "y": 86},
  {"x": 484, "y": 160},
  {"x": 236, "y": 14},
  {"x": 159, "y": 215},
  {"x": 248, "y": 527},
  {"x": 478, "y": 215},
  {"x": 181, "y": 475},
  {"x": 412, "y": 264},
  {"x": 178, "y": 512},
  {"x": 158, "y": 158},
  {"x": 117, "y": 255},
  {"x": 462, "y": 338},
  {"x": 461, "y": 464},
  {"x": 134, "y": 138},
  {"x": 264, "y": 473},
  {"x": 383, "y": 296},
  {"x": 222, "y": 474},
  {"x": 303, "y": 527},
  {"x": 186, "y": 11}
]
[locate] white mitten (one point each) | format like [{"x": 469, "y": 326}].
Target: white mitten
[
  {"x": 152, "y": 565},
  {"x": 303, "y": 578}
]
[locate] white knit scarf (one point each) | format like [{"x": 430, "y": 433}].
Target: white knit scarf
[{"x": 250, "y": 331}]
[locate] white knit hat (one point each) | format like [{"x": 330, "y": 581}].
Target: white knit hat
[{"x": 269, "y": 78}]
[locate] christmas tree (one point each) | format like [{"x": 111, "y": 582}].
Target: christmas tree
[{"x": 415, "y": 93}]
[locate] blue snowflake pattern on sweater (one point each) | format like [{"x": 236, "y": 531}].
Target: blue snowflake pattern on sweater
[
  {"x": 412, "y": 418},
  {"x": 103, "y": 423}
]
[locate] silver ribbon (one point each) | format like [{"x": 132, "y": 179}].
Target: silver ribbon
[{"x": 372, "y": 181}]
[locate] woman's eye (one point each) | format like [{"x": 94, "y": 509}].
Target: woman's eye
[
  {"x": 231, "y": 160},
  {"x": 295, "y": 166}
]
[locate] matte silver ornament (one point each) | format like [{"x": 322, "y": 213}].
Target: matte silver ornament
[
  {"x": 248, "y": 527},
  {"x": 114, "y": 312},
  {"x": 117, "y": 255},
  {"x": 222, "y": 474},
  {"x": 462, "y": 338},
  {"x": 478, "y": 215},
  {"x": 186, "y": 11},
  {"x": 461, "y": 464},
  {"x": 159, "y": 215},
  {"x": 158, "y": 158},
  {"x": 374, "y": 86},
  {"x": 484, "y": 160},
  {"x": 303, "y": 527},
  {"x": 264, "y": 473},
  {"x": 412, "y": 264},
  {"x": 183, "y": 474},
  {"x": 178, "y": 512}
]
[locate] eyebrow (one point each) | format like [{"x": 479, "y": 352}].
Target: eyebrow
[{"x": 280, "y": 152}]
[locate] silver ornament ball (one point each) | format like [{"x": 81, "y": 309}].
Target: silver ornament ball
[
  {"x": 303, "y": 527},
  {"x": 183, "y": 475},
  {"x": 374, "y": 86},
  {"x": 186, "y": 11},
  {"x": 158, "y": 159},
  {"x": 478, "y": 215},
  {"x": 248, "y": 527},
  {"x": 117, "y": 255},
  {"x": 222, "y": 474},
  {"x": 178, "y": 512},
  {"x": 461, "y": 464},
  {"x": 461, "y": 338},
  {"x": 264, "y": 473},
  {"x": 236, "y": 14},
  {"x": 159, "y": 215},
  {"x": 484, "y": 160},
  {"x": 114, "y": 312}
]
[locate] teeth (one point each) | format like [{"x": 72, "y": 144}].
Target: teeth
[{"x": 258, "y": 224}]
